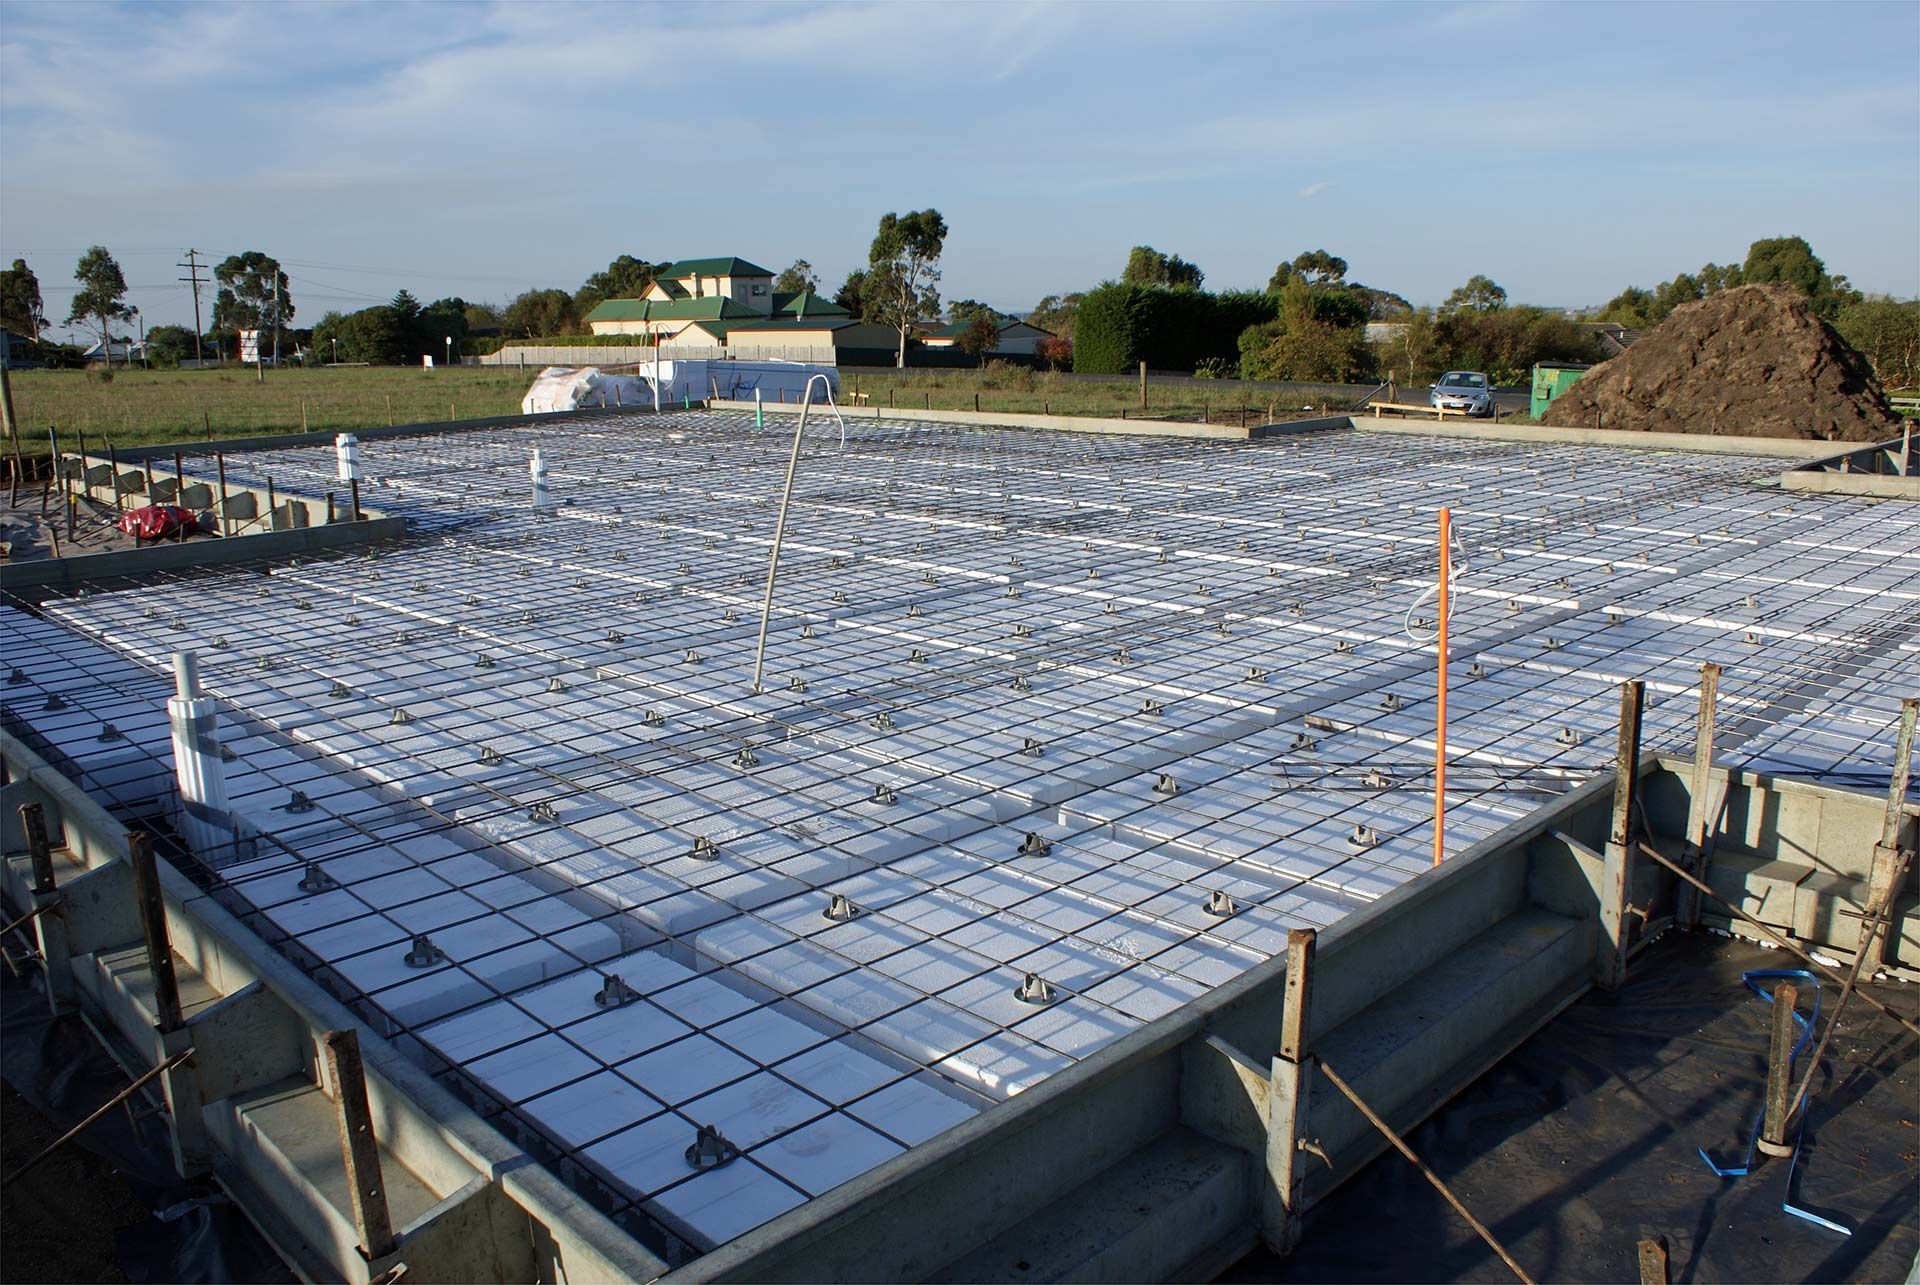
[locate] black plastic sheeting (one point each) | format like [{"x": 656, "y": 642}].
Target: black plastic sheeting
[
  {"x": 1586, "y": 1139},
  {"x": 191, "y": 1231}
]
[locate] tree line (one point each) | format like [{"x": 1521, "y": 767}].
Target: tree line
[
  {"x": 1308, "y": 324},
  {"x": 252, "y": 293},
  {"x": 1884, "y": 330}
]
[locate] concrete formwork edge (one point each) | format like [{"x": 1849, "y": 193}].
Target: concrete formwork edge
[
  {"x": 1540, "y": 434},
  {"x": 433, "y": 1134},
  {"x": 1056, "y": 423}
]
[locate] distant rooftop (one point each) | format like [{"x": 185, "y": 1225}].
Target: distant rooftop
[{"x": 721, "y": 266}]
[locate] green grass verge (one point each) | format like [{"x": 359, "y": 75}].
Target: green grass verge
[{"x": 141, "y": 407}]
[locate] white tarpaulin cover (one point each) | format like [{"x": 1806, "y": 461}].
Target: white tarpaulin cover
[{"x": 561, "y": 388}]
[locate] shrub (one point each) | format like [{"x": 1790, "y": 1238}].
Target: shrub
[
  {"x": 1119, "y": 326},
  {"x": 1056, "y": 351},
  {"x": 1253, "y": 344},
  {"x": 1009, "y": 375},
  {"x": 1315, "y": 352},
  {"x": 1887, "y": 333},
  {"x": 980, "y": 337}
]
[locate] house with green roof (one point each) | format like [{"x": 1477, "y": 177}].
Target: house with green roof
[
  {"x": 1016, "y": 337},
  {"x": 697, "y": 302}
]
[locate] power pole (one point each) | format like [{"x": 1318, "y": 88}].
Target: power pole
[
  {"x": 192, "y": 265},
  {"x": 276, "y": 317}
]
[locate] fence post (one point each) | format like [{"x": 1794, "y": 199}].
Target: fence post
[
  {"x": 1699, "y": 817},
  {"x": 1289, "y": 1087},
  {"x": 50, "y": 929},
  {"x": 1889, "y": 866},
  {"x": 220, "y": 459},
  {"x": 1773, "y": 1129},
  {"x": 180, "y": 1083},
  {"x": 358, "y": 1146},
  {"x": 1616, "y": 880}
]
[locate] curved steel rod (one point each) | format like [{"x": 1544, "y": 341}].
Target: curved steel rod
[{"x": 780, "y": 527}]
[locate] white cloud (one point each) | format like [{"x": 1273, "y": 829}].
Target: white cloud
[{"x": 1315, "y": 189}]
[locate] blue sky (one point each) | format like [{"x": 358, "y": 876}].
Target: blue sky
[{"x": 1564, "y": 149}]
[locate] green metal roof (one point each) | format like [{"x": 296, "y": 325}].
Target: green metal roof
[
  {"x": 724, "y": 266},
  {"x": 711, "y": 308},
  {"x": 805, "y": 303},
  {"x": 619, "y": 310}
]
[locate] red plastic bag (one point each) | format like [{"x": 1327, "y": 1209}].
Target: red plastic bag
[{"x": 157, "y": 521}]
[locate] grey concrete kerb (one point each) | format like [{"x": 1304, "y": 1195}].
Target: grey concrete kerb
[{"x": 1774, "y": 447}]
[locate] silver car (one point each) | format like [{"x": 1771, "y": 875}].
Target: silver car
[{"x": 1467, "y": 390}]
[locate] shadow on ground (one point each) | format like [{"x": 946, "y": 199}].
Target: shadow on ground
[
  {"x": 1585, "y": 1140},
  {"x": 108, "y": 1205}
]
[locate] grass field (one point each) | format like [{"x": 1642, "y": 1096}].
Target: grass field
[
  {"x": 141, "y": 407},
  {"x": 1042, "y": 392},
  {"x": 138, "y": 407}
]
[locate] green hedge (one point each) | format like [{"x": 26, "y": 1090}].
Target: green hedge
[{"x": 1120, "y": 326}]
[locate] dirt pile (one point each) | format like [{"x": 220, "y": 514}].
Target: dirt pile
[{"x": 1752, "y": 361}]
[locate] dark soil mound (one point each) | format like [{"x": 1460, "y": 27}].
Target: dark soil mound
[{"x": 1752, "y": 361}]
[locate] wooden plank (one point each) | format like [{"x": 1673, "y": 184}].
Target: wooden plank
[{"x": 1409, "y": 408}]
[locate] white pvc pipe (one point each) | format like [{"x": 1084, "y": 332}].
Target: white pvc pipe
[
  {"x": 346, "y": 448},
  {"x": 537, "y": 468},
  {"x": 206, "y": 822}
]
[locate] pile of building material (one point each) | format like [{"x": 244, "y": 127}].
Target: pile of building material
[{"x": 1753, "y": 361}]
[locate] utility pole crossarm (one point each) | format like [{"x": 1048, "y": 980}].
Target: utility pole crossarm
[{"x": 192, "y": 265}]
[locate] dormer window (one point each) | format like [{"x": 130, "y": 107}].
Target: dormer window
[{"x": 759, "y": 289}]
